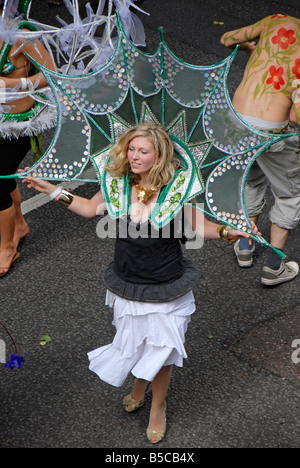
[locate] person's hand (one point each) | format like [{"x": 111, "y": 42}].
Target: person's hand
[
  {"x": 40, "y": 185},
  {"x": 233, "y": 234},
  {"x": 250, "y": 47}
]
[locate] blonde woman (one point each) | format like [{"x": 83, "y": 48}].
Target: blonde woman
[{"x": 149, "y": 283}]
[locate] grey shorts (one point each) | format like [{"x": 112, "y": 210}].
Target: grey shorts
[{"x": 279, "y": 168}]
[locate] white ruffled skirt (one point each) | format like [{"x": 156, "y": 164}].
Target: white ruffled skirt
[{"x": 148, "y": 337}]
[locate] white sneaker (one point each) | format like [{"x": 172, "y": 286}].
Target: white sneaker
[
  {"x": 244, "y": 257},
  {"x": 287, "y": 272}
]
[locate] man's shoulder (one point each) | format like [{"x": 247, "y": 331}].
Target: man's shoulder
[
  {"x": 279, "y": 20},
  {"x": 282, "y": 33}
]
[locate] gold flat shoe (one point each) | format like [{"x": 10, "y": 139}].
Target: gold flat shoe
[
  {"x": 156, "y": 436},
  {"x": 131, "y": 404}
]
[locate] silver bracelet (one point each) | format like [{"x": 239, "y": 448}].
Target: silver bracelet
[
  {"x": 24, "y": 84},
  {"x": 55, "y": 194}
]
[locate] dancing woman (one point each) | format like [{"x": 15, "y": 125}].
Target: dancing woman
[{"x": 149, "y": 283}]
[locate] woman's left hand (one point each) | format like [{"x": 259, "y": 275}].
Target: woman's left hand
[{"x": 233, "y": 234}]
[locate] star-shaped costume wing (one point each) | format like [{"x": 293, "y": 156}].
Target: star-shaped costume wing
[{"x": 215, "y": 146}]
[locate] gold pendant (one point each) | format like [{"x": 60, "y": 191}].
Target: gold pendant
[{"x": 144, "y": 193}]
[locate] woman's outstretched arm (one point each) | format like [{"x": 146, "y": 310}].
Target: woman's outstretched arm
[
  {"x": 81, "y": 206},
  {"x": 208, "y": 229}
]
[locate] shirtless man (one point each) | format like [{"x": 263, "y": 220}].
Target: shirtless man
[{"x": 264, "y": 99}]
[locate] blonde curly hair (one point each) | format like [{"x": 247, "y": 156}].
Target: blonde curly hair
[{"x": 165, "y": 165}]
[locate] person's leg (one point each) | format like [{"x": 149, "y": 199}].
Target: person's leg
[
  {"x": 244, "y": 243},
  {"x": 255, "y": 191},
  {"x": 21, "y": 227},
  {"x": 282, "y": 170},
  {"x": 279, "y": 236},
  {"x": 135, "y": 399},
  {"x": 157, "y": 422},
  {"x": 280, "y": 167},
  {"x": 12, "y": 153},
  {"x": 7, "y": 246},
  {"x": 276, "y": 269}
]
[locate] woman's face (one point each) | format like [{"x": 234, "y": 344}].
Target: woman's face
[{"x": 141, "y": 155}]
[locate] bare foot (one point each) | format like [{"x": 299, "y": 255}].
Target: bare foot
[
  {"x": 7, "y": 257},
  {"x": 20, "y": 233}
]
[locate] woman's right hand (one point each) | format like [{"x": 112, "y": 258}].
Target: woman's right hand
[{"x": 40, "y": 185}]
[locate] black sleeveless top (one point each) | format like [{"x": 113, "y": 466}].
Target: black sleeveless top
[
  {"x": 144, "y": 255},
  {"x": 148, "y": 264}
]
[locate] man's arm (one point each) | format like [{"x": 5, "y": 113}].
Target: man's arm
[
  {"x": 295, "y": 110},
  {"x": 39, "y": 53},
  {"x": 245, "y": 37},
  {"x": 295, "y": 114}
]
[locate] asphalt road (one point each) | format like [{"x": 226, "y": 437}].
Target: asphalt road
[{"x": 239, "y": 387}]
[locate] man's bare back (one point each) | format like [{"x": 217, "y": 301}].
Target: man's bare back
[{"x": 266, "y": 89}]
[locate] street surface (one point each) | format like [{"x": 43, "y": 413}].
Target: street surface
[{"x": 239, "y": 386}]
